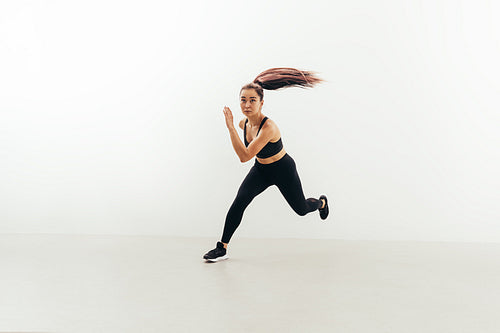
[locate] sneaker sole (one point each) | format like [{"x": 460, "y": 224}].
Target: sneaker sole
[
  {"x": 326, "y": 209},
  {"x": 218, "y": 259}
]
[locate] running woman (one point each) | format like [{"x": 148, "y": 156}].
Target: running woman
[{"x": 262, "y": 139}]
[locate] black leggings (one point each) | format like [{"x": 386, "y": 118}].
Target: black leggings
[{"x": 283, "y": 174}]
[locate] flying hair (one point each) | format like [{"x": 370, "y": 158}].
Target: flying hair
[{"x": 282, "y": 77}]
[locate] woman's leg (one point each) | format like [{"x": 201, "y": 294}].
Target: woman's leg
[
  {"x": 288, "y": 182},
  {"x": 253, "y": 184}
]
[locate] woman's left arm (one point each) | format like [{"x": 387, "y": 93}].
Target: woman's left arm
[{"x": 245, "y": 154}]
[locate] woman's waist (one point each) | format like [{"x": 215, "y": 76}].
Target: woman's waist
[{"x": 272, "y": 159}]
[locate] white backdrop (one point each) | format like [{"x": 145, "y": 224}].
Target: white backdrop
[{"x": 111, "y": 116}]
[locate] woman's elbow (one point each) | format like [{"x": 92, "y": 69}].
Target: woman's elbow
[{"x": 245, "y": 158}]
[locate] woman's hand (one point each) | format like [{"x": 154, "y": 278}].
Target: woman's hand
[{"x": 229, "y": 118}]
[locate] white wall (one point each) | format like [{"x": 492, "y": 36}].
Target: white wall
[{"x": 111, "y": 116}]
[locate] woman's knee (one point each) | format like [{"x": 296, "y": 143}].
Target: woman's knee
[
  {"x": 242, "y": 200},
  {"x": 301, "y": 211}
]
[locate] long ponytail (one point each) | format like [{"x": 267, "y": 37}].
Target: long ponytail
[{"x": 282, "y": 77}]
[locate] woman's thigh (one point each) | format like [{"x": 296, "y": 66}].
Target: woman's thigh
[
  {"x": 288, "y": 182},
  {"x": 254, "y": 183}
]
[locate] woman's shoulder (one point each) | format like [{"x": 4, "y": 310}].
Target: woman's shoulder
[
  {"x": 242, "y": 123},
  {"x": 271, "y": 127},
  {"x": 270, "y": 123}
]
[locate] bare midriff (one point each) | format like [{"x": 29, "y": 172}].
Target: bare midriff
[{"x": 272, "y": 159}]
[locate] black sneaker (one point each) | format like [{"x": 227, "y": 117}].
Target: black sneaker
[
  {"x": 219, "y": 253},
  {"x": 323, "y": 212}
]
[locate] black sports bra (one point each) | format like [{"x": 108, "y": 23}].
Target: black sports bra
[{"x": 272, "y": 148}]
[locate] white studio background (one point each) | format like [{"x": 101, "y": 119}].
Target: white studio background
[{"x": 111, "y": 116}]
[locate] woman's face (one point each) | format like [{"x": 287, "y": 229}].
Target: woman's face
[{"x": 250, "y": 102}]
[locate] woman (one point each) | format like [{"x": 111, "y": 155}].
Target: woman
[{"x": 273, "y": 166}]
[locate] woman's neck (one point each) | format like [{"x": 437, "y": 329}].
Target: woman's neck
[{"x": 255, "y": 120}]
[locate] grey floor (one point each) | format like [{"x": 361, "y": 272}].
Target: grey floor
[{"x": 68, "y": 283}]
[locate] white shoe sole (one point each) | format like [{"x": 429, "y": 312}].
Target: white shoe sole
[{"x": 218, "y": 259}]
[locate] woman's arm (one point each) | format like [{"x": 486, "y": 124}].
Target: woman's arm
[{"x": 245, "y": 154}]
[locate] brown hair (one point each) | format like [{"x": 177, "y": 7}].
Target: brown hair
[{"x": 277, "y": 78}]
